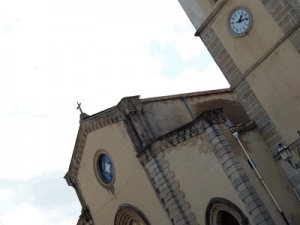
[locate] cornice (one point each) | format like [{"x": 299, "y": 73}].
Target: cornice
[
  {"x": 186, "y": 95},
  {"x": 188, "y": 131}
]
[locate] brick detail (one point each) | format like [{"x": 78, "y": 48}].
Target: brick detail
[
  {"x": 237, "y": 176},
  {"x": 168, "y": 189},
  {"x": 287, "y": 15}
]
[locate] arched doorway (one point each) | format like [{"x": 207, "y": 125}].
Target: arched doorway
[
  {"x": 225, "y": 218},
  {"x": 220, "y": 211},
  {"x": 130, "y": 215}
]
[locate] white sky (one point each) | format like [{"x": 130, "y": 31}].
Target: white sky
[{"x": 54, "y": 53}]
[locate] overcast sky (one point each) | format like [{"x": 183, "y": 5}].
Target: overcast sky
[{"x": 54, "y": 53}]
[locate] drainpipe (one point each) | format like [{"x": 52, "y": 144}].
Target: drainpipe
[{"x": 235, "y": 134}]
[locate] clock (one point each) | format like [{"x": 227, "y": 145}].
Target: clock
[{"x": 239, "y": 21}]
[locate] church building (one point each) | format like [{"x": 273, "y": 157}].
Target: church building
[{"x": 220, "y": 157}]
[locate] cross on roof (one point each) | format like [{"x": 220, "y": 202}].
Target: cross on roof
[{"x": 79, "y": 107}]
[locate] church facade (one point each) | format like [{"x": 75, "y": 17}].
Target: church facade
[{"x": 209, "y": 158}]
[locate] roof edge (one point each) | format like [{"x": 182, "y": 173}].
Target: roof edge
[{"x": 186, "y": 95}]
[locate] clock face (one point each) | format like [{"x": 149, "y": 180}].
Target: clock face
[{"x": 239, "y": 21}]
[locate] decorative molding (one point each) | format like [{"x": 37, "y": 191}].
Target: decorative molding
[
  {"x": 243, "y": 127},
  {"x": 188, "y": 131}
]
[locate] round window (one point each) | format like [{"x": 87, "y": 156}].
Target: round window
[{"x": 104, "y": 168}]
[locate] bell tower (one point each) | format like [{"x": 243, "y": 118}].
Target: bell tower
[{"x": 256, "y": 44}]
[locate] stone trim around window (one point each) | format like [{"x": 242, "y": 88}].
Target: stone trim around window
[{"x": 108, "y": 185}]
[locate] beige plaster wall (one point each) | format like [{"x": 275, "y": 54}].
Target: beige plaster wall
[
  {"x": 131, "y": 185},
  {"x": 271, "y": 174},
  {"x": 264, "y": 33},
  {"x": 201, "y": 176},
  {"x": 276, "y": 83}
]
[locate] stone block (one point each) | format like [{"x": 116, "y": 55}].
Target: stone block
[
  {"x": 261, "y": 210},
  {"x": 157, "y": 177},
  {"x": 230, "y": 162},
  {"x": 162, "y": 187},
  {"x": 151, "y": 167},
  {"x": 234, "y": 168},
  {"x": 253, "y": 205},
  {"x": 159, "y": 183},
  {"x": 240, "y": 180},
  {"x": 170, "y": 202},
  {"x": 251, "y": 198},
  {"x": 154, "y": 172},
  {"x": 226, "y": 157},
  {"x": 247, "y": 192},
  {"x": 258, "y": 219},
  {"x": 244, "y": 186}
]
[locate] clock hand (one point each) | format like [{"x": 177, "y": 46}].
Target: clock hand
[
  {"x": 240, "y": 19},
  {"x": 244, "y": 19}
]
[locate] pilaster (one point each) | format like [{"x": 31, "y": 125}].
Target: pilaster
[
  {"x": 139, "y": 130},
  {"x": 238, "y": 176}
]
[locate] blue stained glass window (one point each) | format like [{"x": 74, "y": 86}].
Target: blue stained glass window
[{"x": 106, "y": 168}]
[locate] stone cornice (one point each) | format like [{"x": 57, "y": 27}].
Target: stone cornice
[
  {"x": 186, "y": 95},
  {"x": 188, "y": 131}
]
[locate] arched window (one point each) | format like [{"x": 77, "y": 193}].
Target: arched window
[
  {"x": 129, "y": 215},
  {"x": 223, "y": 212}
]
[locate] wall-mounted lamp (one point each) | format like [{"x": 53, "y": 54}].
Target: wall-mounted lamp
[{"x": 284, "y": 153}]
